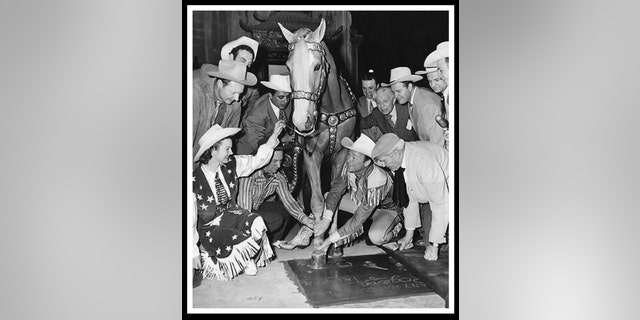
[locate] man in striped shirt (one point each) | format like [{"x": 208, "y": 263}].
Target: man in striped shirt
[{"x": 262, "y": 184}]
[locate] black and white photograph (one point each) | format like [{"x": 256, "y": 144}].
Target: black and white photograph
[
  {"x": 322, "y": 148},
  {"x": 450, "y": 159}
]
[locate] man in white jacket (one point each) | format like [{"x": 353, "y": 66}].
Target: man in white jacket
[{"x": 426, "y": 172}]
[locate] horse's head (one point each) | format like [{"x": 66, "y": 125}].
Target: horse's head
[{"x": 308, "y": 67}]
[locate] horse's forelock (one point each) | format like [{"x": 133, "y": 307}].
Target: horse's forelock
[{"x": 302, "y": 34}]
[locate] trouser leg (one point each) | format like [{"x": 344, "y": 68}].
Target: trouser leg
[
  {"x": 275, "y": 217},
  {"x": 425, "y": 218},
  {"x": 385, "y": 226}
]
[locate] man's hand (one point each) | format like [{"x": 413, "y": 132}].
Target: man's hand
[
  {"x": 325, "y": 245},
  {"x": 308, "y": 221},
  {"x": 273, "y": 139},
  {"x": 407, "y": 241}
]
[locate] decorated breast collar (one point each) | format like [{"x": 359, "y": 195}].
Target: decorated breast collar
[{"x": 332, "y": 121}]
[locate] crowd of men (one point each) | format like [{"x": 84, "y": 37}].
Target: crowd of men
[{"x": 396, "y": 173}]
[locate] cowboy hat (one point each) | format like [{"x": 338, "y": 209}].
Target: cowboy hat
[
  {"x": 234, "y": 71},
  {"x": 428, "y": 70},
  {"x": 441, "y": 51},
  {"x": 432, "y": 59},
  {"x": 213, "y": 135},
  {"x": 278, "y": 82},
  {"x": 363, "y": 144},
  {"x": 226, "y": 49},
  {"x": 384, "y": 145},
  {"x": 401, "y": 74}
]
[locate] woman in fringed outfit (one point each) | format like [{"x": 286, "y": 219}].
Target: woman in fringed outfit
[{"x": 232, "y": 240}]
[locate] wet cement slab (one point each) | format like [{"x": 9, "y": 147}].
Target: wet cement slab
[
  {"x": 346, "y": 280},
  {"x": 434, "y": 273}
]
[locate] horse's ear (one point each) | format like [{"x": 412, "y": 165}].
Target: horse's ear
[
  {"x": 287, "y": 34},
  {"x": 319, "y": 33}
]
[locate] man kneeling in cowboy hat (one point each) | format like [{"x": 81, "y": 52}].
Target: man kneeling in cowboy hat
[
  {"x": 369, "y": 192},
  {"x": 216, "y": 95},
  {"x": 426, "y": 172}
]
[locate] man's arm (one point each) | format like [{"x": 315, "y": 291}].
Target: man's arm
[
  {"x": 198, "y": 108},
  {"x": 254, "y": 130},
  {"x": 354, "y": 223},
  {"x": 367, "y": 122},
  {"x": 292, "y": 206},
  {"x": 428, "y": 113},
  {"x": 245, "y": 192},
  {"x": 338, "y": 187},
  {"x": 252, "y": 96}
]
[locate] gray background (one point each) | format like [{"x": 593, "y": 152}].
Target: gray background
[{"x": 92, "y": 164}]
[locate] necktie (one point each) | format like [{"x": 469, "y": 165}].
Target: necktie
[
  {"x": 221, "y": 108},
  {"x": 370, "y": 106},
  {"x": 400, "y": 196},
  {"x": 223, "y": 198},
  {"x": 282, "y": 115},
  {"x": 390, "y": 120}
]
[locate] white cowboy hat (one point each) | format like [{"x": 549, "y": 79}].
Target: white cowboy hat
[
  {"x": 364, "y": 144},
  {"x": 213, "y": 135},
  {"x": 432, "y": 59},
  {"x": 226, "y": 49},
  {"x": 401, "y": 74},
  {"x": 278, "y": 82},
  {"x": 441, "y": 51},
  {"x": 428, "y": 70},
  {"x": 234, "y": 71}
]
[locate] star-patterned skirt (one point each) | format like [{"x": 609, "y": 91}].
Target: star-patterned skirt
[{"x": 229, "y": 244}]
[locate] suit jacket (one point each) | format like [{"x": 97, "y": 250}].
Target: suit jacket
[
  {"x": 251, "y": 95},
  {"x": 204, "y": 108},
  {"x": 423, "y": 109},
  {"x": 258, "y": 125},
  {"x": 377, "y": 119},
  {"x": 427, "y": 177},
  {"x": 363, "y": 111}
]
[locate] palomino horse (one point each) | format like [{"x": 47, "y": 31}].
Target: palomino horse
[{"x": 323, "y": 112}]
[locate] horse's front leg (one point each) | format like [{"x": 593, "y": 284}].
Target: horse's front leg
[
  {"x": 312, "y": 165},
  {"x": 337, "y": 165}
]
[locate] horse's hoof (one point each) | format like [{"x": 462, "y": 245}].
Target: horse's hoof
[
  {"x": 318, "y": 259},
  {"x": 335, "y": 251}
]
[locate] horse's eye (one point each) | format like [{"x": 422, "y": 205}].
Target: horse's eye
[{"x": 317, "y": 67}]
